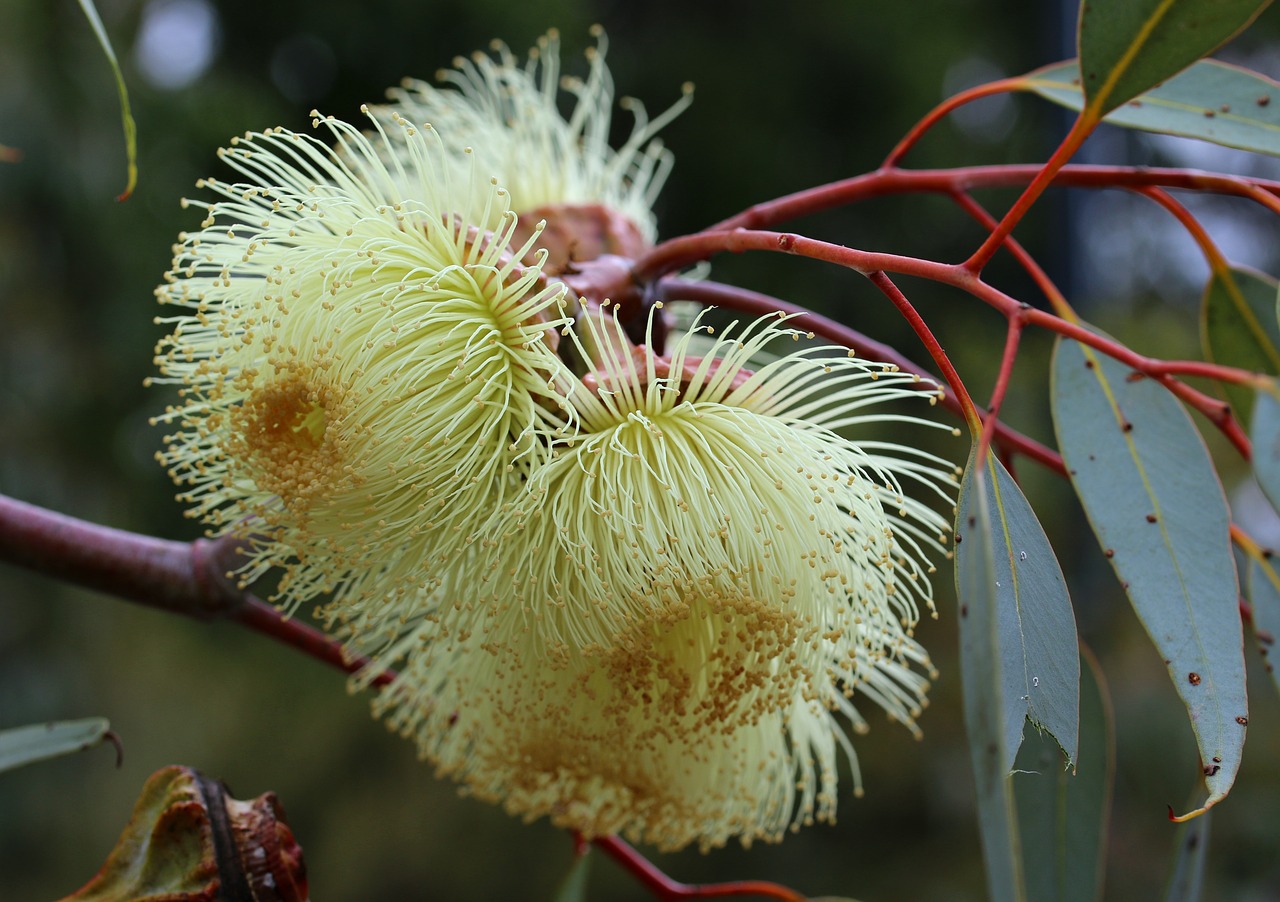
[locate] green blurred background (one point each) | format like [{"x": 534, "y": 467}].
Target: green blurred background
[{"x": 788, "y": 96}]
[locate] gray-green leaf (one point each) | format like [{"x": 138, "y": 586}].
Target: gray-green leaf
[
  {"x": 1265, "y": 436},
  {"x": 1035, "y": 628},
  {"x": 574, "y": 886},
  {"x": 25, "y": 745},
  {"x": 990, "y": 747},
  {"x": 1150, "y": 491},
  {"x": 1264, "y": 595},
  {"x": 1062, "y": 814},
  {"x": 1211, "y": 101},
  {"x": 1238, "y": 328}
]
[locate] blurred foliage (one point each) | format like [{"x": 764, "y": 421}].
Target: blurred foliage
[{"x": 786, "y": 98}]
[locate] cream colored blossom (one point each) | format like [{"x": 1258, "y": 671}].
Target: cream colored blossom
[
  {"x": 625, "y": 592},
  {"x": 700, "y": 584},
  {"x": 362, "y": 373},
  {"x": 508, "y": 115}
]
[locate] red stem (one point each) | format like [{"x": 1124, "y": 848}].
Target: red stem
[
  {"x": 882, "y": 281},
  {"x": 173, "y": 576},
  {"x": 1028, "y": 263},
  {"x": 681, "y": 252},
  {"x": 884, "y": 182},
  {"x": 267, "y": 620},
  {"x": 1213, "y": 255},
  {"x": 1080, "y": 130},
  {"x": 937, "y": 113},
  {"x": 178, "y": 577},
  {"x": 1007, "y": 360},
  {"x": 668, "y": 890},
  {"x": 744, "y": 300}
]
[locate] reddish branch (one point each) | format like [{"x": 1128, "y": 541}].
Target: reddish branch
[
  {"x": 744, "y": 300},
  {"x": 178, "y": 577},
  {"x": 887, "y": 182},
  {"x": 1081, "y": 130},
  {"x": 882, "y": 281},
  {"x": 679, "y": 253},
  {"x": 668, "y": 890}
]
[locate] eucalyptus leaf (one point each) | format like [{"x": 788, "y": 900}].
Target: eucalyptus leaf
[
  {"x": 1211, "y": 101},
  {"x": 574, "y": 886},
  {"x": 1264, "y": 595},
  {"x": 1036, "y": 630},
  {"x": 38, "y": 742},
  {"x": 990, "y": 750},
  {"x": 1265, "y": 436},
  {"x": 1152, "y": 496},
  {"x": 1238, "y": 328},
  {"x": 1128, "y": 47},
  {"x": 1062, "y": 813},
  {"x": 126, "y": 115}
]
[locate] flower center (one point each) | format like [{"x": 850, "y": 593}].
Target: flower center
[
  {"x": 285, "y": 433},
  {"x": 713, "y": 664}
]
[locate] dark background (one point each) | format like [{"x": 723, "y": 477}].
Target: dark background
[{"x": 788, "y": 96}]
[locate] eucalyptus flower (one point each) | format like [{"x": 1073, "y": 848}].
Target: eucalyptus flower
[
  {"x": 560, "y": 170},
  {"x": 628, "y": 592},
  {"x": 700, "y": 583},
  {"x": 361, "y": 370}
]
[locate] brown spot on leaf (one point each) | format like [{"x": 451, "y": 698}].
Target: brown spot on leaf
[
  {"x": 1263, "y": 100},
  {"x": 1151, "y": 518}
]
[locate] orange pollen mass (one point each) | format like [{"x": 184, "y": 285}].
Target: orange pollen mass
[{"x": 285, "y": 433}]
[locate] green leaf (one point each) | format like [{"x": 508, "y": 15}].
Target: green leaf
[
  {"x": 126, "y": 116},
  {"x": 1062, "y": 815},
  {"x": 1035, "y": 629},
  {"x": 574, "y": 886},
  {"x": 1191, "y": 845},
  {"x": 1264, "y": 595},
  {"x": 1128, "y": 47},
  {"x": 1265, "y": 437},
  {"x": 1211, "y": 101},
  {"x": 1147, "y": 484},
  {"x": 983, "y": 687},
  {"x": 1238, "y": 328},
  {"x": 25, "y": 745}
]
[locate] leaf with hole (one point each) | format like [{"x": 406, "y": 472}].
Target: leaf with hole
[
  {"x": 991, "y": 750},
  {"x": 1035, "y": 638},
  {"x": 1062, "y": 812}
]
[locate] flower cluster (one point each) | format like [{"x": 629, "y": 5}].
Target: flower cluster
[{"x": 628, "y": 591}]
